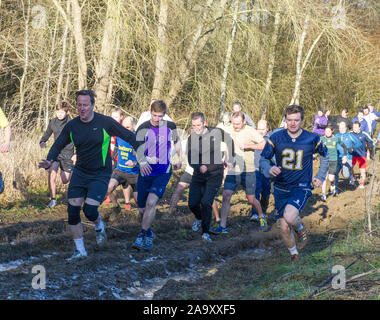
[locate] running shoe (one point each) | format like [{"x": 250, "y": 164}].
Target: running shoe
[
  {"x": 107, "y": 201},
  {"x": 254, "y": 217},
  {"x": 52, "y": 203},
  {"x": 302, "y": 238},
  {"x": 351, "y": 182},
  {"x": 219, "y": 230},
  {"x": 361, "y": 186},
  {"x": 216, "y": 224},
  {"x": 263, "y": 223},
  {"x": 139, "y": 242},
  {"x": 127, "y": 206},
  {"x": 148, "y": 242},
  {"x": 101, "y": 236},
  {"x": 206, "y": 237},
  {"x": 77, "y": 255},
  {"x": 323, "y": 197},
  {"x": 197, "y": 225}
]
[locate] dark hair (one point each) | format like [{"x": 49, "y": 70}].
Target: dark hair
[
  {"x": 238, "y": 114},
  {"x": 197, "y": 115},
  {"x": 63, "y": 105},
  {"x": 344, "y": 109},
  {"x": 89, "y": 93},
  {"x": 365, "y": 107},
  {"x": 360, "y": 109},
  {"x": 330, "y": 127},
  {"x": 356, "y": 122},
  {"x": 158, "y": 106},
  {"x": 292, "y": 109}
]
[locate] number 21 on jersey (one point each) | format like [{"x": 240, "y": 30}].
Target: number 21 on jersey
[{"x": 288, "y": 157}]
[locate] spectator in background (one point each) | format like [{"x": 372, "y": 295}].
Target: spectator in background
[
  {"x": 363, "y": 123},
  {"x": 343, "y": 117},
  {"x": 320, "y": 122},
  {"x": 376, "y": 116},
  {"x": 237, "y": 108}
]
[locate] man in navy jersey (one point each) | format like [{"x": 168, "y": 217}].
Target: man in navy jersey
[
  {"x": 293, "y": 149},
  {"x": 90, "y": 134},
  {"x": 156, "y": 138}
]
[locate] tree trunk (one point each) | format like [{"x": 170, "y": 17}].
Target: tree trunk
[
  {"x": 79, "y": 44},
  {"x": 68, "y": 72},
  {"x": 39, "y": 118},
  {"x": 295, "y": 98},
  {"x": 114, "y": 64},
  {"x": 63, "y": 59},
  {"x": 272, "y": 59},
  {"x": 300, "y": 69},
  {"x": 103, "y": 64},
  {"x": 228, "y": 58},
  {"x": 196, "y": 46},
  {"x": 47, "y": 106},
  {"x": 161, "y": 56},
  {"x": 26, "y": 62}
]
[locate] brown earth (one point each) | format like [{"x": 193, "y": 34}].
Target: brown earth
[{"x": 180, "y": 265}]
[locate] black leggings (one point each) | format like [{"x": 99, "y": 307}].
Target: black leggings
[{"x": 203, "y": 189}]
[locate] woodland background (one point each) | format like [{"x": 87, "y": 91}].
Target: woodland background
[{"x": 195, "y": 55}]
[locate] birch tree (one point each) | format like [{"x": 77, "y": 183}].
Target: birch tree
[
  {"x": 26, "y": 58},
  {"x": 228, "y": 58}
]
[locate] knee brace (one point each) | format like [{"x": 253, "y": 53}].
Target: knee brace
[
  {"x": 74, "y": 214},
  {"x": 91, "y": 212}
]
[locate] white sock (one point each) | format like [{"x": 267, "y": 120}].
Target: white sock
[
  {"x": 293, "y": 250},
  {"x": 79, "y": 243},
  {"x": 100, "y": 225}
]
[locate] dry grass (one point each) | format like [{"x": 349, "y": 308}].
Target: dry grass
[{"x": 20, "y": 166}]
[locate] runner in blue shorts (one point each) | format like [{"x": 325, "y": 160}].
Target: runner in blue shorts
[
  {"x": 155, "y": 138},
  {"x": 293, "y": 149}
]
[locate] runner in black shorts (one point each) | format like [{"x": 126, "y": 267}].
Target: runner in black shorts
[
  {"x": 66, "y": 156},
  {"x": 126, "y": 171},
  {"x": 90, "y": 133}
]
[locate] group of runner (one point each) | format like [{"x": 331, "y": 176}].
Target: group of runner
[
  {"x": 347, "y": 148},
  {"x": 144, "y": 154}
]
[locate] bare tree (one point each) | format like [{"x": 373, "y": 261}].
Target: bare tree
[
  {"x": 103, "y": 64},
  {"x": 272, "y": 59},
  {"x": 196, "y": 45},
  {"x": 235, "y": 6},
  {"x": 75, "y": 25},
  {"x": 26, "y": 59},
  {"x": 161, "y": 56},
  {"x": 63, "y": 58}
]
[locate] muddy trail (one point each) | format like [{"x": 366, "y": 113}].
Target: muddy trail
[{"x": 178, "y": 267}]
